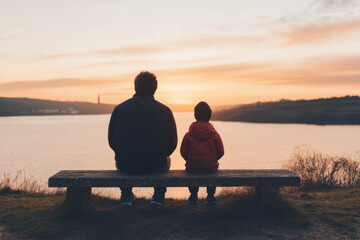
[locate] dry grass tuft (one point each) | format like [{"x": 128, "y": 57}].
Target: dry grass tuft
[
  {"x": 21, "y": 183},
  {"x": 319, "y": 170}
]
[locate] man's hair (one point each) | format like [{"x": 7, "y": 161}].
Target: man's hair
[
  {"x": 202, "y": 112},
  {"x": 145, "y": 84}
]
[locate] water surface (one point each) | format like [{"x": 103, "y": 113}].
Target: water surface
[{"x": 40, "y": 146}]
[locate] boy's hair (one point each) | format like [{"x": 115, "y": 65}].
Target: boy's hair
[
  {"x": 202, "y": 112},
  {"x": 145, "y": 84}
]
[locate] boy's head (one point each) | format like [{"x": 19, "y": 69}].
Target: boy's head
[
  {"x": 145, "y": 84},
  {"x": 202, "y": 112}
]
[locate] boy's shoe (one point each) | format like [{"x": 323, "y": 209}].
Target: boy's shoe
[
  {"x": 158, "y": 199},
  {"x": 210, "y": 200},
  {"x": 127, "y": 200},
  {"x": 193, "y": 199}
]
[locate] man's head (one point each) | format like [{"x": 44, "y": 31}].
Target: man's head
[
  {"x": 202, "y": 112},
  {"x": 145, "y": 84}
]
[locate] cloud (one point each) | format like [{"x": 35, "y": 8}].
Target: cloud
[
  {"x": 116, "y": 92},
  {"x": 205, "y": 42},
  {"x": 5, "y": 37},
  {"x": 110, "y": 52},
  {"x": 56, "y": 56},
  {"x": 320, "y": 31},
  {"x": 147, "y": 61},
  {"x": 329, "y": 71},
  {"x": 113, "y": 63},
  {"x": 318, "y": 72},
  {"x": 130, "y": 51},
  {"x": 214, "y": 72},
  {"x": 58, "y": 83},
  {"x": 332, "y": 5},
  {"x": 211, "y": 73},
  {"x": 174, "y": 46}
]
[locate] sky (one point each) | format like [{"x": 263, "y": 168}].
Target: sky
[{"x": 223, "y": 52}]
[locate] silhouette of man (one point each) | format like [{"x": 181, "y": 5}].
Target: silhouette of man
[{"x": 142, "y": 133}]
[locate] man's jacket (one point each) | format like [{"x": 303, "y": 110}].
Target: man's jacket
[
  {"x": 142, "y": 133},
  {"x": 202, "y": 148}
]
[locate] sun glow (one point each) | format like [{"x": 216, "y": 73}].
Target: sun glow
[{"x": 223, "y": 52}]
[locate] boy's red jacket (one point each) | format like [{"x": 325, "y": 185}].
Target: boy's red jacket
[{"x": 202, "y": 148}]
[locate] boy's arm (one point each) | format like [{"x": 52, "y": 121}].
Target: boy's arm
[
  {"x": 219, "y": 146},
  {"x": 184, "y": 147}
]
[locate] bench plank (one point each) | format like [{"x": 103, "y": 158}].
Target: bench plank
[{"x": 174, "y": 178}]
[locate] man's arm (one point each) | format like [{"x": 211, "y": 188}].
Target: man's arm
[
  {"x": 170, "y": 133},
  {"x": 112, "y": 131}
]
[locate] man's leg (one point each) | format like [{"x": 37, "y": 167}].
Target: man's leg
[
  {"x": 159, "y": 192},
  {"x": 126, "y": 190},
  {"x": 127, "y": 196},
  {"x": 159, "y": 196}
]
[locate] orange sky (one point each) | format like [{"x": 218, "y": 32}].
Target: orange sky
[{"x": 222, "y": 52}]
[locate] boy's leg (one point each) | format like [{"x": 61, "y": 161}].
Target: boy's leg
[
  {"x": 210, "y": 199},
  {"x": 211, "y": 190},
  {"x": 193, "y": 190},
  {"x": 193, "y": 199}
]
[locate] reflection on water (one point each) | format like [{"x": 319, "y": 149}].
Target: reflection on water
[{"x": 44, "y": 145}]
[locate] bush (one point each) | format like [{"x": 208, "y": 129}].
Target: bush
[{"x": 319, "y": 170}]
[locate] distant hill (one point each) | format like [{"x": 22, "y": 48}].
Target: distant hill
[
  {"x": 336, "y": 110},
  {"x": 29, "y": 106}
]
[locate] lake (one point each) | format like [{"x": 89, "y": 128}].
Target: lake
[{"x": 40, "y": 146}]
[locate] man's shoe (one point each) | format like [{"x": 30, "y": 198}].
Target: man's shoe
[
  {"x": 210, "y": 200},
  {"x": 158, "y": 200},
  {"x": 127, "y": 200},
  {"x": 193, "y": 199}
]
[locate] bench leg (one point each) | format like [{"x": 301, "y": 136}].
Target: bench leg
[
  {"x": 267, "y": 194},
  {"x": 78, "y": 198}
]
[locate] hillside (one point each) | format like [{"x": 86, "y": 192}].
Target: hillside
[
  {"x": 336, "y": 110},
  {"x": 29, "y": 106}
]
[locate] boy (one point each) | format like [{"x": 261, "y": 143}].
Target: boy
[{"x": 202, "y": 148}]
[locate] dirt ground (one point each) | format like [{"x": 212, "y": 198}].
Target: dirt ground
[{"x": 316, "y": 229}]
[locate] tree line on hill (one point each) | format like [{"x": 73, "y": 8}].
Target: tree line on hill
[
  {"x": 323, "y": 111},
  {"x": 30, "y": 107}
]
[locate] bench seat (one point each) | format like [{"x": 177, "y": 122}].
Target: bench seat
[
  {"x": 174, "y": 178},
  {"x": 79, "y": 183}
]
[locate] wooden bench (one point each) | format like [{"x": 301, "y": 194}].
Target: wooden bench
[{"x": 79, "y": 183}]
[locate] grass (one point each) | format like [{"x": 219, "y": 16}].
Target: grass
[
  {"x": 326, "y": 206},
  {"x": 21, "y": 183},
  {"x": 43, "y": 217},
  {"x": 339, "y": 207},
  {"x": 236, "y": 214}
]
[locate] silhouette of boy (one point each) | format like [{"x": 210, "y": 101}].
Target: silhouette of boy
[{"x": 202, "y": 148}]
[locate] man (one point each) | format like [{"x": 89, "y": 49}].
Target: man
[{"x": 142, "y": 133}]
